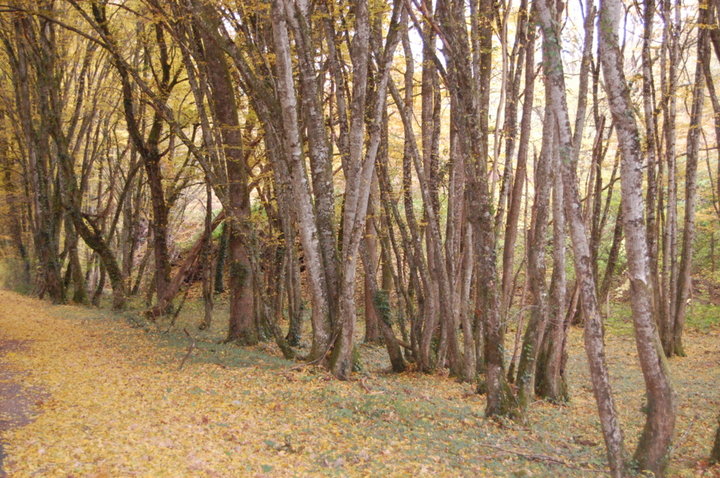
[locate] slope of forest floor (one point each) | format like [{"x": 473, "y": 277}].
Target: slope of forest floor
[{"x": 116, "y": 402}]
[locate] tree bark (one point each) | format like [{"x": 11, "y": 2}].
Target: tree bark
[
  {"x": 360, "y": 171},
  {"x": 207, "y": 264},
  {"x": 652, "y": 450},
  {"x": 693, "y": 145},
  {"x": 551, "y": 382},
  {"x": 243, "y": 323},
  {"x": 668, "y": 290},
  {"x": 536, "y": 263},
  {"x": 515, "y": 199},
  {"x": 594, "y": 345},
  {"x": 300, "y": 187},
  {"x": 44, "y": 224}
]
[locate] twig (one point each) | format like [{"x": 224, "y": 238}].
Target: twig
[
  {"x": 189, "y": 351},
  {"x": 179, "y": 308},
  {"x": 321, "y": 357},
  {"x": 541, "y": 458},
  {"x": 679, "y": 442},
  {"x": 364, "y": 385}
]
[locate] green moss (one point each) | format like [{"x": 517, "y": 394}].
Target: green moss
[
  {"x": 357, "y": 365},
  {"x": 239, "y": 272},
  {"x": 382, "y": 305}
]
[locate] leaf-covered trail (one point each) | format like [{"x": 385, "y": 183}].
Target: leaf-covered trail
[
  {"x": 117, "y": 405},
  {"x": 15, "y": 399}
]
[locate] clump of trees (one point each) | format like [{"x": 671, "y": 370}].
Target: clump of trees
[{"x": 436, "y": 156}]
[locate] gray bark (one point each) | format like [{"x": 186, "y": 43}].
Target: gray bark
[
  {"x": 652, "y": 450},
  {"x": 594, "y": 345}
]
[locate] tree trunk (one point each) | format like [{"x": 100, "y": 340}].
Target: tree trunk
[
  {"x": 372, "y": 326},
  {"x": 360, "y": 172},
  {"x": 715, "y": 453},
  {"x": 652, "y": 450},
  {"x": 78, "y": 280},
  {"x": 515, "y": 199},
  {"x": 207, "y": 269},
  {"x": 381, "y": 308},
  {"x": 551, "y": 382},
  {"x": 668, "y": 290},
  {"x": 693, "y": 145},
  {"x": 220, "y": 261},
  {"x": 613, "y": 256},
  {"x": 583, "y": 265},
  {"x": 159, "y": 227},
  {"x": 535, "y": 330},
  {"x": 43, "y": 222},
  {"x": 469, "y": 83},
  {"x": 243, "y": 324},
  {"x": 652, "y": 148},
  {"x": 318, "y": 142},
  {"x": 300, "y": 189}
]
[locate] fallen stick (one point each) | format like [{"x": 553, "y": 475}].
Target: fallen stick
[
  {"x": 541, "y": 458},
  {"x": 189, "y": 351}
]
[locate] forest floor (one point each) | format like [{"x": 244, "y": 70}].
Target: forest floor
[{"x": 98, "y": 395}]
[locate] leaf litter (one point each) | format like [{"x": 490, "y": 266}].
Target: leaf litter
[{"x": 117, "y": 405}]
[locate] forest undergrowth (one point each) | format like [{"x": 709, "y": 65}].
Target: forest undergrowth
[{"x": 123, "y": 397}]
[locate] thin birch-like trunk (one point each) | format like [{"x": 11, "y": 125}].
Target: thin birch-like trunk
[
  {"x": 652, "y": 451},
  {"x": 594, "y": 345}
]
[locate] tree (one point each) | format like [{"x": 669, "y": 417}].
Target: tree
[
  {"x": 581, "y": 248},
  {"x": 651, "y": 453}
]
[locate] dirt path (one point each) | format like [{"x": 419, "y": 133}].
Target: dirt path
[
  {"x": 16, "y": 401},
  {"x": 19, "y": 402}
]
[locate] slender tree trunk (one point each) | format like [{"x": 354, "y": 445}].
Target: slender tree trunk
[
  {"x": 43, "y": 224},
  {"x": 300, "y": 188},
  {"x": 551, "y": 382},
  {"x": 160, "y": 232},
  {"x": 515, "y": 199},
  {"x": 583, "y": 265},
  {"x": 10, "y": 188},
  {"x": 220, "y": 261},
  {"x": 652, "y": 148},
  {"x": 468, "y": 79},
  {"x": 669, "y": 271},
  {"x": 613, "y": 256},
  {"x": 693, "y": 146},
  {"x": 424, "y": 328},
  {"x": 536, "y": 264},
  {"x": 715, "y": 453},
  {"x": 207, "y": 269},
  {"x": 75, "y": 269},
  {"x": 381, "y": 307},
  {"x": 372, "y": 326},
  {"x": 360, "y": 171},
  {"x": 652, "y": 450},
  {"x": 428, "y": 136},
  {"x": 318, "y": 143}
]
